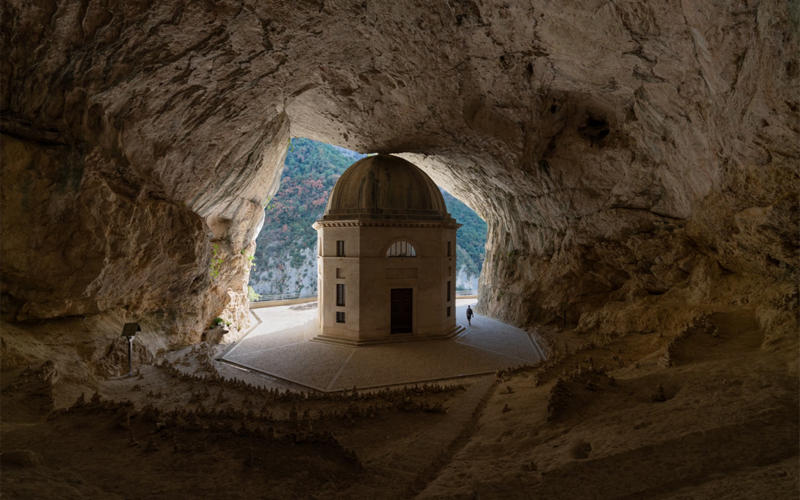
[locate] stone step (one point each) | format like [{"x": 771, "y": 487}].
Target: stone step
[{"x": 394, "y": 339}]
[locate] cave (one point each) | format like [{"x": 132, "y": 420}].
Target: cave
[{"x": 636, "y": 163}]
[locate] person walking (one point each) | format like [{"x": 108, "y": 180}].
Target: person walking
[{"x": 469, "y": 315}]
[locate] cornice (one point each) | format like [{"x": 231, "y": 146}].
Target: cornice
[{"x": 385, "y": 223}]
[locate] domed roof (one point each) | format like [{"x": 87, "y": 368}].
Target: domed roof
[{"x": 385, "y": 187}]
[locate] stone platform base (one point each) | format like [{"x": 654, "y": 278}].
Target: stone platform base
[
  {"x": 394, "y": 339},
  {"x": 280, "y": 347}
]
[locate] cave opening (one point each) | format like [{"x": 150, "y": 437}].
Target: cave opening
[
  {"x": 386, "y": 267},
  {"x": 635, "y": 163},
  {"x": 284, "y": 261}
]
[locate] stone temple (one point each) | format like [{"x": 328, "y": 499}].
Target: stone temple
[{"x": 386, "y": 256}]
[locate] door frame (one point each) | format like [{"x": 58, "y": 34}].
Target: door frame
[{"x": 413, "y": 307}]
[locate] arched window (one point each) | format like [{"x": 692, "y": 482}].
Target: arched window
[{"x": 401, "y": 249}]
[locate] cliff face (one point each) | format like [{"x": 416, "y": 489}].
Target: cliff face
[
  {"x": 628, "y": 156},
  {"x": 282, "y": 276}
]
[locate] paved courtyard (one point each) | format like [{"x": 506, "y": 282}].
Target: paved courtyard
[{"x": 281, "y": 346}]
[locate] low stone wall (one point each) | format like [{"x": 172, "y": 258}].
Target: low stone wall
[{"x": 275, "y": 303}]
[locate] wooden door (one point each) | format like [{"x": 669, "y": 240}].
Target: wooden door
[{"x": 402, "y": 310}]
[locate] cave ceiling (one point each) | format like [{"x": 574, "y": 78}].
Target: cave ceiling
[{"x": 561, "y": 123}]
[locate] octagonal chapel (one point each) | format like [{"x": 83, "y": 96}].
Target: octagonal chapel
[{"x": 387, "y": 256}]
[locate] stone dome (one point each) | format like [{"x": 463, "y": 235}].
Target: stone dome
[{"x": 385, "y": 187}]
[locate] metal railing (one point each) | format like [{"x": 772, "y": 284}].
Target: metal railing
[
  {"x": 284, "y": 296},
  {"x": 305, "y": 295}
]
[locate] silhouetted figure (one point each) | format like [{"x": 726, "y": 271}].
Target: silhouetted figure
[{"x": 469, "y": 315}]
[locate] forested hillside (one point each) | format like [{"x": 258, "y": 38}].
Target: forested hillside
[
  {"x": 310, "y": 171},
  {"x": 285, "y": 258},
  {"x": 471, "y": 236}
]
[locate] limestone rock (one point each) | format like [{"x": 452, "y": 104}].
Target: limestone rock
[
  {"x": 214, "y": 335},
  {"x": 659, "y": 396},
  {"x": 636, "y": 153},
  {"x": 21, "y": 458},
  {"x": 558, "y": 399},
  {"x": 151, "y": 446}
]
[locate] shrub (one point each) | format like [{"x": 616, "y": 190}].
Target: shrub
[{"x": 216, "y": 262}]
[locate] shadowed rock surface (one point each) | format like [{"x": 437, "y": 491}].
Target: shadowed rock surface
[
  {"x": 613, "y": 148},
  {"x": 636, "y": 162}
]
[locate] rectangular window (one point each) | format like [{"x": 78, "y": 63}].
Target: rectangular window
[
  {"x": 449, "y": 271},
  {"x": 340, "y": 248},
  {"x": 339, "y": 294},
  {"x": 448, "y": 311},
  {"x": 449, "y": 249},
  {"x": 339, "y": 317},
  {"x": 448, "y": 291},
  {"x": 340, "y": 273}
]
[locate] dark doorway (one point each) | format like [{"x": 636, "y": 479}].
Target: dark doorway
[{"x": 402, "y": 310}]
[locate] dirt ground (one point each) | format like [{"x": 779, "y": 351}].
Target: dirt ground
[{"x": 705, "y": 414}]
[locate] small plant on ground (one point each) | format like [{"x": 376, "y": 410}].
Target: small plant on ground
[{"x": 219, "y": 321}]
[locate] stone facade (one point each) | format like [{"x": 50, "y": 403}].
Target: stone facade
[{"x": 387, "y": 256}]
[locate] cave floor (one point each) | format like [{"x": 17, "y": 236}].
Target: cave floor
[
  {"x": 587, "y": 423},
  {"x": 280, "y": 347}
]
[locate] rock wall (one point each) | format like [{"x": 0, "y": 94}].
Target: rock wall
[
  {"x": 282, "y": 277},
  {"x": 738, "y": 248},
  {"x": 613, "y": 148},
  {"x": 465, "y": 280}
]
